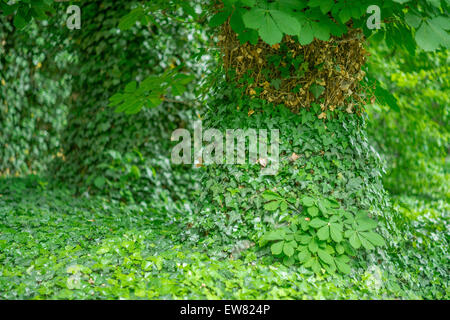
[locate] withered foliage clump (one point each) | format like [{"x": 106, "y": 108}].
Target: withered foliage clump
[{"x": 334, "y": 65}]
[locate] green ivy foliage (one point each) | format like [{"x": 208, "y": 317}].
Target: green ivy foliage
[
  {"x": 33, "y": 95},
  {"x": 111, "y": 60},
  {"x": 413, "y": 139},
  {"x": 57, "y": 246},
  {"x": 318, "y": 210}
]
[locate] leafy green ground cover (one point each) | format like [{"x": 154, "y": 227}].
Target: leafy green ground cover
[{"x": 54, "y": 245}]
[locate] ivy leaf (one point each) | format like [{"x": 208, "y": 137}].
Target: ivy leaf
[
  {"x": 270, "y": 195},
  {"x": 99, "y": 182},
  {"x": 272, "y": 206},
  {"x": 317, "y": 90}
]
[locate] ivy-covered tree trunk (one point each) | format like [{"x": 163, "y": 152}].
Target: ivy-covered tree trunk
[
  {"x": 323, "y": 202},
  {"x": 102, "y": 148}
]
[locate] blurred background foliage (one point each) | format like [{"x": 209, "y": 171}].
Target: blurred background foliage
[
  {"x": 33, "y": 96},
  {"x": 413, "y": 139}
]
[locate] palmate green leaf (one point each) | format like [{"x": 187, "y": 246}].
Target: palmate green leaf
[
  {"x": 355, "y": 242},
  {"x": 271, "y": 24},
  {"x": 317, "y": 223},
  {"x": 366, "y": 243},
  {"x": 313, "y": 246},
  {"x": 302, "y": 238},
  {"x": 303, "y": 256},
  {"x": 277, "y": 247},
  {"x": 288, "y": 249},
  {"x": 269, "y": 31},
  {"x": 249, "y": 35},
  {"x": 325, "y": 256},
  {"x": 254, "y": 18},
  {"x": 342, "y": 266},
  {"x": 219, "y": 18},
  {"x": 365, "y": 223},
  {"x": 315, "y": 266},
  {"x": 236, "y": 22},
  {"x": 306, "y": 33},
  {"x": 374, "y": 238},
  {"x": 431, "y": 35},
  {"x": 285, "y": 22},
  {"x": 323, "y": 233},
  {"x": 345, "y": 14},
  {"x": 325, "y": 5},
  {"x": 307, "y": 201},
  {"x": 321, "y": 30},
  {"x": 336, "y": 232},
  {"x": 413, "y": 20},
  {"x": 313, "y": 211}
]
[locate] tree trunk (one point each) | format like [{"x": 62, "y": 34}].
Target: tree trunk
[{"x": 324, "y": 153}]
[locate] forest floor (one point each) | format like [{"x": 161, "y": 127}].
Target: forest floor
[{"x": 54, "y": 245}]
